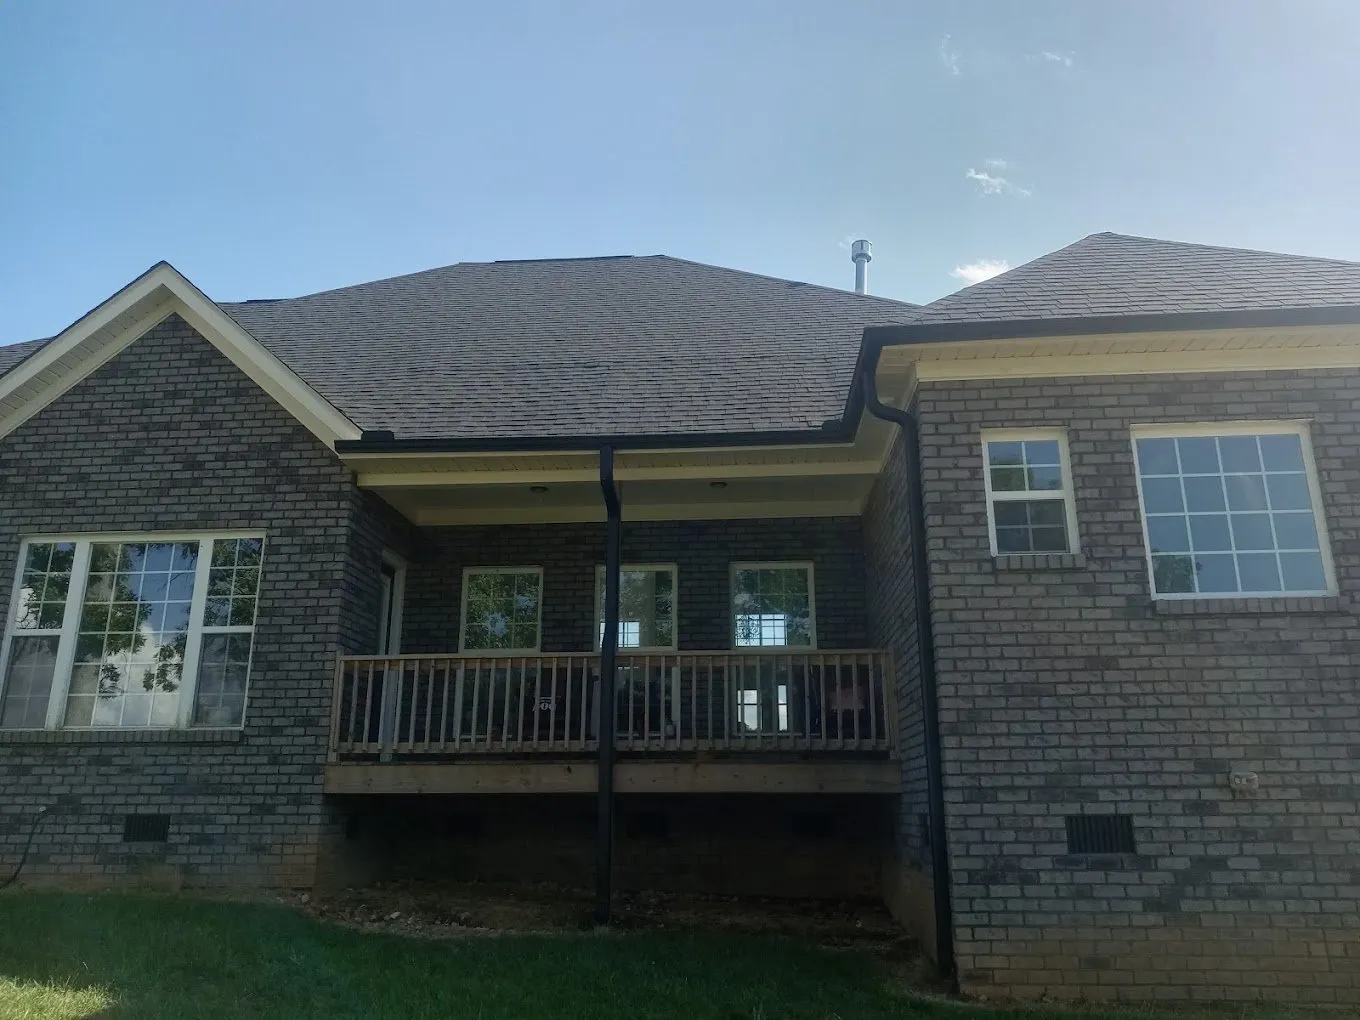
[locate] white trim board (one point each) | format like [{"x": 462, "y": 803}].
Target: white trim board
[{"x": 107, "y": 330}]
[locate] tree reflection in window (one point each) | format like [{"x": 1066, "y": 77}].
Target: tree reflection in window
[
  {"x": 772, "y": 605},
  {"x": 501, "y": 609},
  {"x": 134, "y": 631},
  {"x": 39, "y": 611}
]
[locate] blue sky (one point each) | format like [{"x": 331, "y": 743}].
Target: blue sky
[{"x": 276, "y": 148}]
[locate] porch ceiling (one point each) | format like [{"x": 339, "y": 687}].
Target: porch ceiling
[
  {"x": 694, "y": 484},
  {"x": 818, "y": 495}
]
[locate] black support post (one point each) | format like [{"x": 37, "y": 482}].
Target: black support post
[{"x": 604, "y": 837}]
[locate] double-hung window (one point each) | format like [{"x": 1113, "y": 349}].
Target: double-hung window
[
  {"x": 1028, "y": 480},
  {"x": 1231, "y": 510},
  {"x": 773, "y": 605},
  {"x": 647, "y": 609},
  {"x": 502, "y": 609},
  {"x": 146, "y": 632}
]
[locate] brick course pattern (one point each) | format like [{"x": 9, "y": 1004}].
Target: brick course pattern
[
  {"x": 1064, "y": 691},
  {"x": 701, "y": 550},
  {"x": 170, "y": 436},
  {"x": 891, "y": 605}
]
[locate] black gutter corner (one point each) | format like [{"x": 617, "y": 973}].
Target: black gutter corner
[
  {"x": 925, "y": 644},
  {"x": 606, "y": 723}
]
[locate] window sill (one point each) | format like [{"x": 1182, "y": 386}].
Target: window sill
[
  {"x": 1257, "y": 606},
  {"x": 1039, "y": 561},
  {"x": 199, "y": 736}
]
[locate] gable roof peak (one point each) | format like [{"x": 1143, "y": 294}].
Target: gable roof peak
[{"x": 1110, "y": 274}]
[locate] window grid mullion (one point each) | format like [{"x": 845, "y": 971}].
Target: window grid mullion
[
  {"x": 193, "y": 647},
  {"x": 1270, "y": 510},
  {"x": 66, "y": 646}
]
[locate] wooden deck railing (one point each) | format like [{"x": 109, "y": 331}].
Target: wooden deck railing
[{"x": 440, "y": 706}]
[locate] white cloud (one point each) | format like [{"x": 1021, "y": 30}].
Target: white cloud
[
  {"x": 995, "y": 184},
  {"x": 1063, "y": 58},
  {"x": 949, "y": 56},
  {"x": 982, "y": 269}
]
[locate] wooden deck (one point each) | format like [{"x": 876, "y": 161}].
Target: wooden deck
[
  {"x": 880, "y": 776},
  {"x": 801, "y": 721}
]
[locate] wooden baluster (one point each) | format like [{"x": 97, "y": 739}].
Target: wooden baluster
[
  {"x": 566, "y": 707},
  {"x": 538, "y": 700},
  {"x": 351, "y": 670},
  {"x": 368, "y": 704},
  {"x": 839, "y": 702},
  {"x": 415, "y": 699},
  {"x": 759, "y": 663},
  {"x": 693, "y": 702},
  {"x": 429, "y": 700},
  {"x": 632, "y": 729},
  {"x": 826, "y": 705},
  {"x": 646, "y": 702},
  {"x": 786, "y": 724},
  {"x": 519, "y": 723},
  {"x": 585, "y": 701},
  {"x": 807, "y": 701},
  {"x": 729, "y": 692},
  {"x": 476, "y": 701},
  {"x": 443, "y": 706},
  {"x": 854, "y": 697},
  {"x": 873, "y": 699},
  {"x": 709, "y": 735}
]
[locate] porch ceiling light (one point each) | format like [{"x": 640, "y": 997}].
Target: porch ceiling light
[
  {"x": 717, "y": 485},
  {"x": 538, "y": 489}
]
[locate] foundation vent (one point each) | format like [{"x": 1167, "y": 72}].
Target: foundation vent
[
  {"x": 1100, "y": 834},
  {"x": 146, "y": 828}
]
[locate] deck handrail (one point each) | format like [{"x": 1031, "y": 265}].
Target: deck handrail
[{"x": 733, "y": 700}]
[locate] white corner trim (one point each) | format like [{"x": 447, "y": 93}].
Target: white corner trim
[{"x": 157, "y": 293}]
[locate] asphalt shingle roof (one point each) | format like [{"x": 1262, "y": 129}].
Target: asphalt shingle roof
[
  {"x": 602, "y": 346},
  {"x": 12, "y": 354},
  {"x": 659, "y": 345},
  {"x": 1115, "y": 274}
]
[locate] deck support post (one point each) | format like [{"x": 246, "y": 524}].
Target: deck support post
[{"x": 609, "y": 645}]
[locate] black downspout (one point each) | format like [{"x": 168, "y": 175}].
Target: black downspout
[
  {"x": 925, "y": 645},
  {"x": 609, "y": 644}
]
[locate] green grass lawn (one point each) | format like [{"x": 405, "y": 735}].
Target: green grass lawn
[{"x": 149, "y": 957}]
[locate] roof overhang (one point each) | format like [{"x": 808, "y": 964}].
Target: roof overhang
[
  {"x": 105, "y": 331},
  {"x": 1273, "y": 340}
]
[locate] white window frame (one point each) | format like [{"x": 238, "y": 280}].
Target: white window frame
[
  {"x": 391, "y": 613},
  {"x": 1273, "y": 427},
  {"x": 674, "y": 570},
  {"x": 75, "y": 599},
  {"x": 463, "y": 609},
  {"x": 733, "y": 568},
  {"x": 1068, "y": 492}
]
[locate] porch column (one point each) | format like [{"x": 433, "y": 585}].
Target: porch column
[{"x": 604, "y": 837}]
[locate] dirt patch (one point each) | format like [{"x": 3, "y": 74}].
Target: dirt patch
[{"x": 445, "y": 909}]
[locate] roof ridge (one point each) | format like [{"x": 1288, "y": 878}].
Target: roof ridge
[
  {"x": 783, "y": 279},
  {"x": 584, "y": 258},
  {"x": 1223, "y": 247},
  {"x": 1000, "y": 278}
]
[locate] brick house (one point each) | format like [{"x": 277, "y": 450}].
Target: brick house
[{"x": 1028, "y": 610}]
